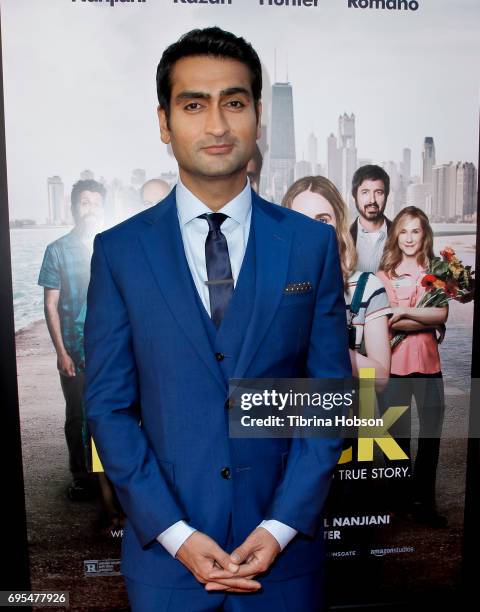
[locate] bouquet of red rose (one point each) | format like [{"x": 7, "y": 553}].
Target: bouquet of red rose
[{"x": 447, "y": 279}]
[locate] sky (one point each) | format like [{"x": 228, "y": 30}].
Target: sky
[{"x": 79, "y": 81}]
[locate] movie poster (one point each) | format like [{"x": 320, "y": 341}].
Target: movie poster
[{"x": 347, "y": 84}]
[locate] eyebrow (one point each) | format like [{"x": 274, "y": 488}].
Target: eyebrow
[{"x": 230, "y": 91}]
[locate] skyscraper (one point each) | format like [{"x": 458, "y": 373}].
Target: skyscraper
[
  {"x": 56, "y": 200},
  {"x": 420, "y": 195},
  {"x": 312, "y": 145},
  {"x": 334, "y": 165},
  {"x": 406, "y": 167},
  {"x": 466, "y": 191},
  {"x": 428, "y": 157},
  {"x": 346, "y": 141},
  {"x": 303, "y": 168},
  {"x": 282, "y": 156},
  {"x": 444, "y": 179}
]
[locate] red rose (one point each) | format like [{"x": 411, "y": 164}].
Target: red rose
[{"x": 428, "y": 281}]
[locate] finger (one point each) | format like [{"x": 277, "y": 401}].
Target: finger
[
  {"x": 243, "y": 584},
  {"x": 223, "y": 559},
  {"x": 240, "y": 554},
  {"x": 229, "y": 589},
  {"x": 245, "y": 570}
]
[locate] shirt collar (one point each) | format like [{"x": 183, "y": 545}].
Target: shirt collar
[
  {"x": 402, "y": 270},
  {"x": 189, "y": 206},
  {"x": 364, "y": 231}
]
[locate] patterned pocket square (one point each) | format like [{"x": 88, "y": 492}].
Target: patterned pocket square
[{"x": 304, "y": 287}]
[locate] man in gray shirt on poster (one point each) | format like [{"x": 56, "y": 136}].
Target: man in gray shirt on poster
[{"x": 370, "y": 189}]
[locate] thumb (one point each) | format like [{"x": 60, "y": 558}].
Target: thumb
[
  {"x": 224, "y": 560},
  {"x": 240, "y": 554}
]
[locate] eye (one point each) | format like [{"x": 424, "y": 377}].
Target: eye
[
  {"x": 193, "y": 106},
  {"x": 322, "y": 220},
  {"x": 235, "y": 104}
]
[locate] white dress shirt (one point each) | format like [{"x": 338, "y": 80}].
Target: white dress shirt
[{"x": 194, "y": 233}]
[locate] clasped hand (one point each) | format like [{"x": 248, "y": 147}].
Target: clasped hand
[{"x": 219, "y": 571}]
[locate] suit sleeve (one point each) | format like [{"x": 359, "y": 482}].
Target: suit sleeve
[
  {"x": 112, "y": 406},
  {"x": 300, "y": 496}
]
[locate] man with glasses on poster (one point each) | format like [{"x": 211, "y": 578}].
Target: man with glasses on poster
[{"x": 183, "y": 297}]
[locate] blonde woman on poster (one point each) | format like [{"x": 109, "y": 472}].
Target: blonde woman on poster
[{"x": 318, "y": 198}]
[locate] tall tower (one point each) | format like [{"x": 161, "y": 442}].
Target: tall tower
[
  {"x": 282, "y": 156},
  {"x": 428, "y": 157},
  {"x": 444, "y": 178},
  {"x": 466, "y": 205},
  {"x": 56, "y": 200},
  {"x": 334, "y": 166},
  {"x": 406, "y": 166},
  {"x": 312, "y": 147},
  {"x": 346, "y": 142}
]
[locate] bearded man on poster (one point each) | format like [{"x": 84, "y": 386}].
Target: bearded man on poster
[{"x": 183, "y": 297}]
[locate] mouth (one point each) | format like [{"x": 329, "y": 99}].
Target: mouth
[{"x": 220, "y": 149}]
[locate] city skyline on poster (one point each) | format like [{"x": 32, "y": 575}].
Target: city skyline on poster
[{"x": 95, "y": 101}]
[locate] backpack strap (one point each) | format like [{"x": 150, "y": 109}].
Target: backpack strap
[{"x": 358, "y": 295}]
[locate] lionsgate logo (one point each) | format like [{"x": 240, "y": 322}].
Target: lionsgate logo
[{"x": 390, "y": 5}]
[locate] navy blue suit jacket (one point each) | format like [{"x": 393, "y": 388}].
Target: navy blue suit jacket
[{"x": 155, "y": 392}]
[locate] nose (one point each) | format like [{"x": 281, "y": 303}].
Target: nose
[{"x": 216, "y": 124}]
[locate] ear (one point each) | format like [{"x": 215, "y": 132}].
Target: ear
[
  {"x": 259, "y": 119},
  {"x": 163, "y": 122}
]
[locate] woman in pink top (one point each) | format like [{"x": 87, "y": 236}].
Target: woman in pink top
[{"x": 415, "y": 364}]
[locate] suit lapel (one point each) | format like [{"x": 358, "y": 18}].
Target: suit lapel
[
  {"x": 163, "y": 247},
  {"x": 272, "y": 252}
]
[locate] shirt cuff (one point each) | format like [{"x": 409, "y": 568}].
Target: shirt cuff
[
  {"x": 173, "y": 537},
  {"x": 281, "y": 532}
]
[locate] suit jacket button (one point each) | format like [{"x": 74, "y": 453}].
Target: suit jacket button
[
  {"x": 219, "y": 356},
  {"x": 226, "y": 473}
]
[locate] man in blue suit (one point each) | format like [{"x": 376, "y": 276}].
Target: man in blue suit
[{"x": 183, "y": 297}]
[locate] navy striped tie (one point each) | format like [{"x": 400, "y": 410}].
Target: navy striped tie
[{"x": 219, "y": 271}]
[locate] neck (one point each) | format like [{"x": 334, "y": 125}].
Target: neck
[
  {"x": 371, "y": 226},
  {"x": 410, "y": 261},
  {"x": 85, "y": 237},
  {"x": 214, "y": 192}
]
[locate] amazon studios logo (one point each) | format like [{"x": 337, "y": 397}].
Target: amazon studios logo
[{"x": 391, "y": 5}]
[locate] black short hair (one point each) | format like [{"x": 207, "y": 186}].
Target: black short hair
[
  {"x": 214, "y": 42},
  {"x": 88, "y": 185},
  {"x": 370, "y": 173}
]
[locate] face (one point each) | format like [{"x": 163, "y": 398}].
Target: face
[
  {"x": 371, "y": 200},
  {"x": 213, "y": 126},
  {"x": 314, "y": 206},
  {"x": 88, "y": 212},
  {"x": 410, "y": 237}
]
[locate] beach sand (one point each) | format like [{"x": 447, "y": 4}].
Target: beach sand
[{"x": 61, "y": 534}]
